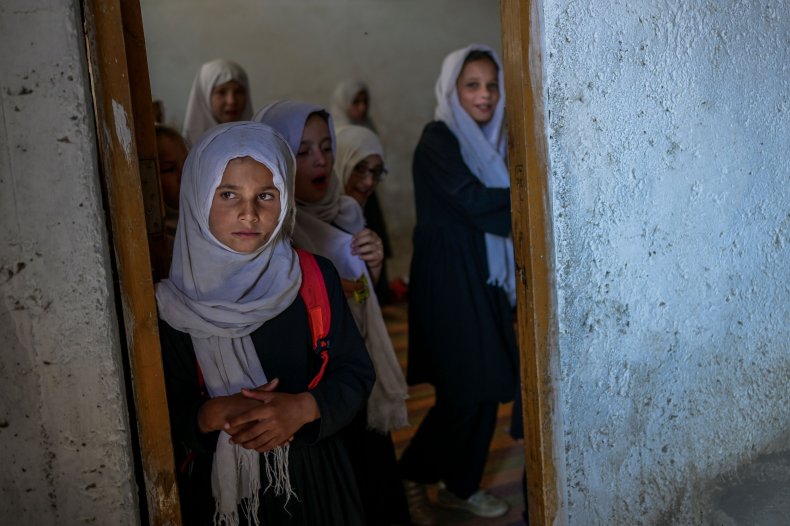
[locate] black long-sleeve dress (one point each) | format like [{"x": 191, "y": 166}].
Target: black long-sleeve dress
[
  {"x": 319, "y": 468},
  {"x": 461, "y": 336}
]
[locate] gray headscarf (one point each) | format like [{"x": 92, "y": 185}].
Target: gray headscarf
[
  {"x": 219, "y": 297},
  {"x": 326, "y": 228},
  {"x": 198, "y": 117},
  {"x": 483, "y": 149}
]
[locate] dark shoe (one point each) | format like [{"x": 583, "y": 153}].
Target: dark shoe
[{"x": 420, "y": 508}]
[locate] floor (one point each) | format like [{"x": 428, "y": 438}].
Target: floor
[
  {"x": 758, "y": 494},
  {"x": 506, "y": 460}
]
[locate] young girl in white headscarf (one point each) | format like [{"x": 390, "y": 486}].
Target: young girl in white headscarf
[
  {"x": 220, "y": 93},
  {"x": 331, "y": 224},
  {"x": 350, "y": 104},
  {"x": 238, "y": 352},
  {"x": 462, "y": 286}
]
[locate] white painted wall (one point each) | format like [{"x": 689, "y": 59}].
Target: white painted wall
[
  {"x": 669, "y": 139},
  {"x": 64, "y": 431},
  {"x": 302, "y": 49}
]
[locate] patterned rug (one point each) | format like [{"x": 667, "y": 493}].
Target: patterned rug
[{"x": 506, "y": 459}]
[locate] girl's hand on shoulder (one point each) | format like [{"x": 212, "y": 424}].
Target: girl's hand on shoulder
[
  {"x": 368, "y": 246},
  {"x": 274, "y": 421}
]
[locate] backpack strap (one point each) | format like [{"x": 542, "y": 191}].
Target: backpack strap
[{"x": 319, "y": 313}]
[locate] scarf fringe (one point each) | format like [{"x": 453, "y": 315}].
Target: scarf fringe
[{"x": 275, "y": 465}]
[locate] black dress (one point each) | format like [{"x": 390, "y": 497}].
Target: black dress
[
  {"x": 320, "y": 472},
  {"x": 460, "y": 328},
  {"x": 461, "y": 336}
]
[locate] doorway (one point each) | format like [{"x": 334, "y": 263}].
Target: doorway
[{"x": 116, "y": 30}]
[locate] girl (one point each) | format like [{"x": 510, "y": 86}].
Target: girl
[
  {"x": 360, "y": 161},
  {"x": 462, "y": 286},
  {"x": 237, "y": 349},
  {"x": 220, "y": 93},
  {"x": 171, "y": 152},
  {"x": 360, "y": 166},
  {"x": 331, "y": 224},
  {"x": 351, "y": 104}
]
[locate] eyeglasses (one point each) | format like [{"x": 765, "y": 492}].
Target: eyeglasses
[{"x": 363, "y": 169}]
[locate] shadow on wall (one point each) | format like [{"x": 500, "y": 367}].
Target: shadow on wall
[{"x": 757, "y": 494}]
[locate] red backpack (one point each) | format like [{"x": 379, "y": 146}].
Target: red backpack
[{"x": 319, "y": 314}]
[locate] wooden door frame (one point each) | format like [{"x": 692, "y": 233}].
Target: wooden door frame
[
  {"x": 522, "y": 37},
  {"x": 115, "y": 48}
]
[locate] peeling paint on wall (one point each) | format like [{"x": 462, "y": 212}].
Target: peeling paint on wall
[{"x": 122, "y": 132}]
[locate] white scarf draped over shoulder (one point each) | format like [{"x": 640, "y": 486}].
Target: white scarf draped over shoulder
[
  {"x": 198, "y": 117},
  {"x": 326, "y": 228},
  {"x": 219, "y": 297},
  {"x": 483, "y": 149}
]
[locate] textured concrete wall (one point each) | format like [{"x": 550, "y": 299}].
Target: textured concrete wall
[
  {"x": 64, "y": 429},
  {"x": 303, "y": 49},
  {"x": 669, "y": 138}
]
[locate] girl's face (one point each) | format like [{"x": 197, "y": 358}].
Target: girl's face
[
  {"x": 172, "y": 153},
  {"x": 358, "y": 109},
  {"x": 228, "y": 101},
  {"x": 246, "y": 206},
  {"x": 365, "y": 177},
  {"x": 314, "y": 160},
  {"x": 478, "y": 89}
]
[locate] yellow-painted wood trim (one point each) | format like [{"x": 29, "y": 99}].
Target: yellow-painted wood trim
[
  {"x": 533, "y": 243},
  {"x": 119, "y": 162}
]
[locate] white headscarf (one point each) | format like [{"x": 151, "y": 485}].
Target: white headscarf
[
  {"x": 219, "y": 297},
  {"x": 483, "y": 149},
  {"x": 326, "y": 228},
  {"x": 198, "y": 117},
  {"x": 341, "y": 99},
  {"x": 354, "y": 144}
]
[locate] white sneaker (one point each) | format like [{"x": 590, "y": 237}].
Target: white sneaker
[{"x": 481, "y": 503}]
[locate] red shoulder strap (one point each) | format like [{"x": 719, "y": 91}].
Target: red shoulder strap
[{"x": 319, "y": 313}]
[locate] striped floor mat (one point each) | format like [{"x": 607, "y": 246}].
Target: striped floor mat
[{"x": 506, "y": 459}]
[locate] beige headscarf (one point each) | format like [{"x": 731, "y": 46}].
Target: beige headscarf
[
  {"x": 354, "y": 144},
  {"x": 198, "y": 117},
  {"x": 326, "y": 228},
  {"x": 219, "y": 297}
]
